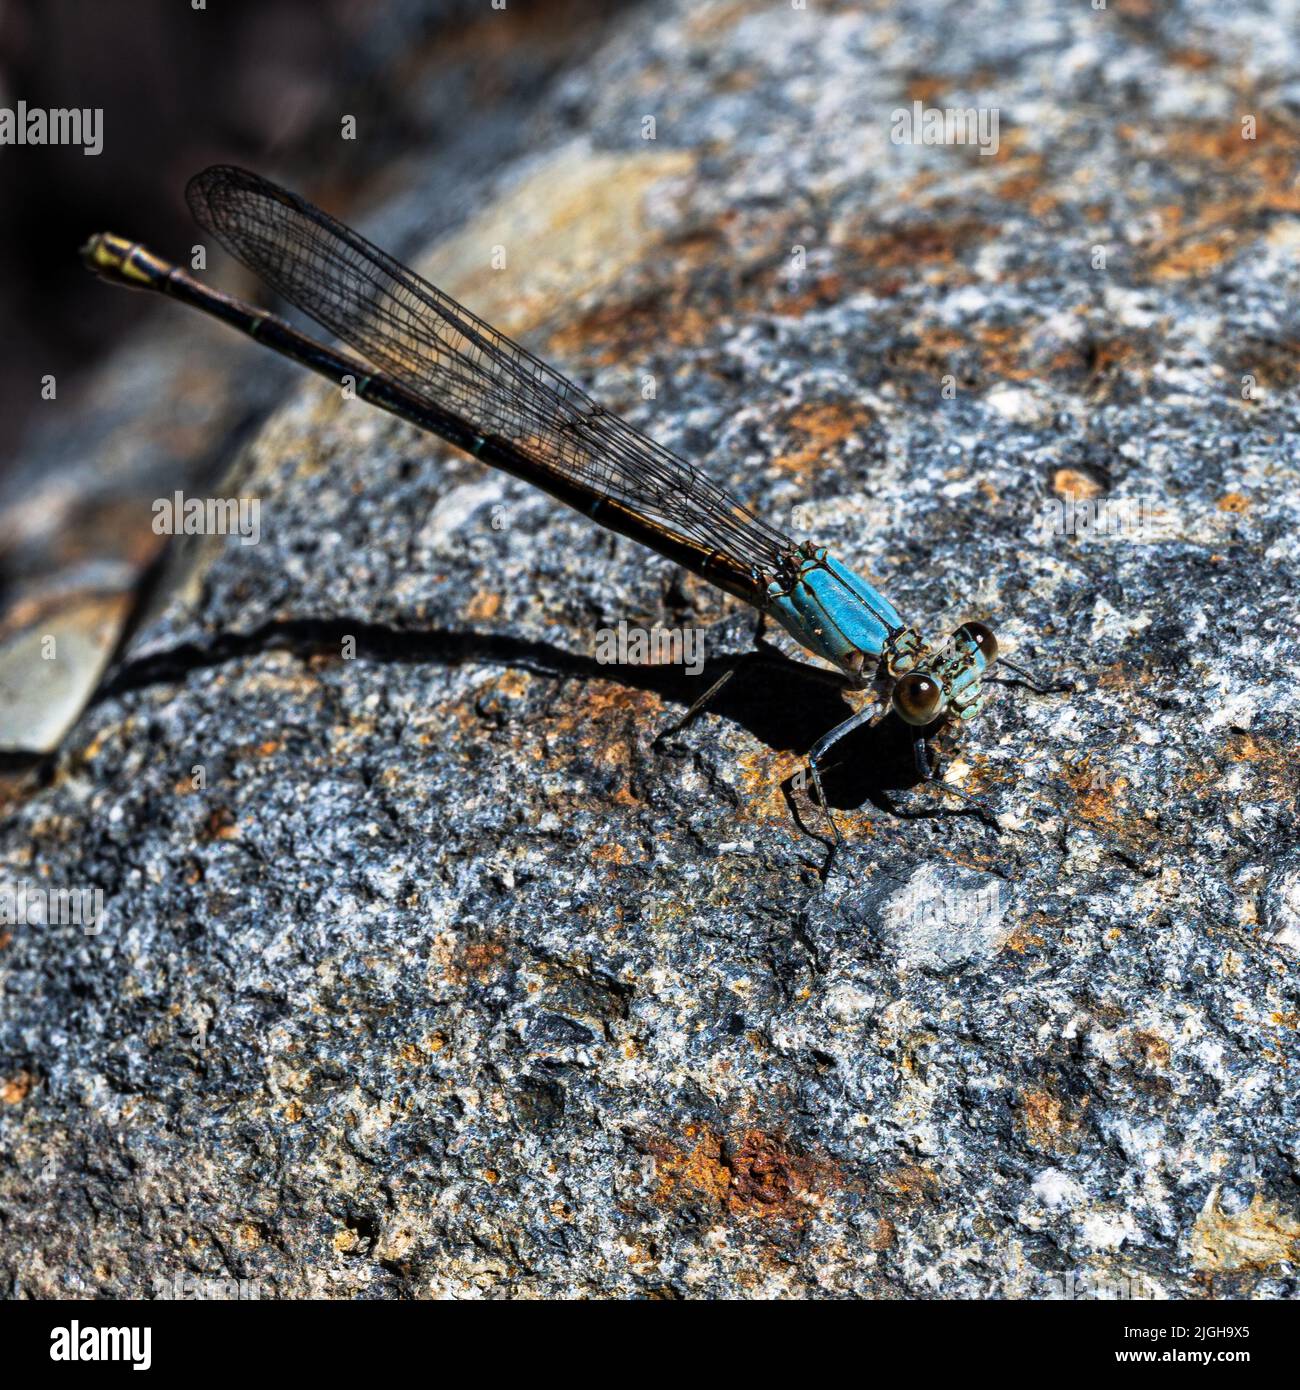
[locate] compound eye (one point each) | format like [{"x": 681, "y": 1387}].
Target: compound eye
[
  {"x": 983, "y": 638},
  {"x": 918, "y": 698}
]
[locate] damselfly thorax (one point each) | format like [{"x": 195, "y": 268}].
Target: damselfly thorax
[{"x": 846, "y": 620}]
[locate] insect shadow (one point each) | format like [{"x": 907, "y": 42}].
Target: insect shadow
[{"x": 783, "y": 703}]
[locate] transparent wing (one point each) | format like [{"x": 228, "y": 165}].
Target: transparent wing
[{"x": 453, "y": 361}]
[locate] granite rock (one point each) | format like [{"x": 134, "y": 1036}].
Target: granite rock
[{"x": 428, "y": 968}]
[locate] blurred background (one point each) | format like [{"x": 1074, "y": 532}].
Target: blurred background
[
  {"x": 260, "y": 82},
  {"x": 440, "y": 94}
]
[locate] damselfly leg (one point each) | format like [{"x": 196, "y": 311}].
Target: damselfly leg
[
  {"x": 929, "y": 772},
  {"x": 819, "y": 750},
  {"x": 702, "y": 702},
  {"x": 1029, "y": 678}
]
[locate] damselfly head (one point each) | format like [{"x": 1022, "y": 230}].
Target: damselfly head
[{"x": 947, "y": 680}]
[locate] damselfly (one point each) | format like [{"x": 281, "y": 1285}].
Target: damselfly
[{"x": 430, "y": 361}]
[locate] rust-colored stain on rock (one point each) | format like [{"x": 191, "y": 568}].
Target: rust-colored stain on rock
[
  {"x": 1071, "y": 482},
  {"x": 1048, "y": 1121},
  {"x": 824, "y": 427},
  {"x": 220, "y": 825},
  {"x": 16, "y": 1088},
  {"x": 754, "y": 1175},
  {"x": 1149, "y": 1049},
  {"x": 920, "y": 243},
  {"x": 912, "y": 1183}
]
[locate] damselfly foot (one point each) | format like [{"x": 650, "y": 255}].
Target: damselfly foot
[
  {"x": 929, "y": 771},
  {"x": 698, "y": 705}
]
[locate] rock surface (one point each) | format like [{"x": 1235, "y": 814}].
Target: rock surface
[{"x": 449, "y": 980}]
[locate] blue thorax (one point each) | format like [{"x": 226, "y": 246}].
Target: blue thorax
[{"x": 832, "y": 611}]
